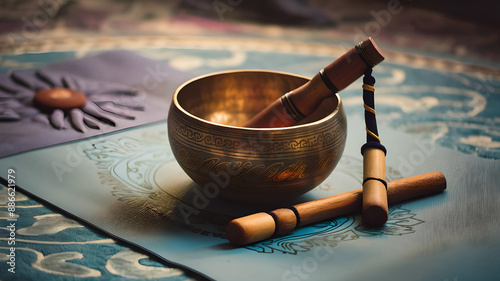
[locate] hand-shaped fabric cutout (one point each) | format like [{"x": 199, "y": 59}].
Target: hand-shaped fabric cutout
[{"x": 47, "y": 97}]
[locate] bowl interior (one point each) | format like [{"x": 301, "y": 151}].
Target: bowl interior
[{"x": 232, "y": 98}]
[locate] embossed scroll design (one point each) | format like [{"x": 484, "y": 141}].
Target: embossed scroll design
[
  {"x": 402, "y": 221},
  {"x": 255, "y": 154},
  {"x": 138, "y": 160},
  {"x": 330, "y": 233},
  {"x": 129, "y": 165},
  {"x": 204, "y": 139},
  {"x": 249, "y": 172}
]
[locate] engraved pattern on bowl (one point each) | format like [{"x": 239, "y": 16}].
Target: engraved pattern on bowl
[{"x": 252, "y": 164}]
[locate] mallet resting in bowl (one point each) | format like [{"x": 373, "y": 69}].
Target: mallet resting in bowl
[{"x": 299, "y": 103}]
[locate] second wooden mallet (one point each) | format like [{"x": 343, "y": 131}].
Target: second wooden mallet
[
  {"x": 375, "y": 207},
  {"x": 264, "y": 225}
]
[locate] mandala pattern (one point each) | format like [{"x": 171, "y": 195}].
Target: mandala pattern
[
  {"x": 139, "y": 159},
  {"x": 330, "y": 233}
]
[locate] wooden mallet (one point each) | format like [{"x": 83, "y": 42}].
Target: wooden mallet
[
  {"x": 375, "y": 206},
  {"x": 261, "y": 226}
]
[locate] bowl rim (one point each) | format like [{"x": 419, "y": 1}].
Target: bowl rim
[{"x": 294, "y": 127}]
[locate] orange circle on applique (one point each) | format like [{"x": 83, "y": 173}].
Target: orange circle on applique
[{"x": 61, "y": 98}]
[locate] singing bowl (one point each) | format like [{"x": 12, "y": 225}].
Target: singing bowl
[{"x": 208, "y": 140}]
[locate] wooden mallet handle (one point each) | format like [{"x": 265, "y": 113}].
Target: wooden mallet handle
[
  {"x": 260, "y": 226},
  {"x": 375, "y": 209},
  {"x": 299, "y": 103}
]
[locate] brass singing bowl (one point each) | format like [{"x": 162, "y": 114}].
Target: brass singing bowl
[{"x": 207, "y": 137}]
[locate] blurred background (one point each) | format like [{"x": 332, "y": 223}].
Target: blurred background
[{"x": 463, "y": 28}]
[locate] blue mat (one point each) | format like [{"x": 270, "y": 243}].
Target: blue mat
[{"x": 453, "y": 109}]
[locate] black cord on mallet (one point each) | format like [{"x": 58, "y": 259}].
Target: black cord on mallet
[{"x": 375, "y": 209}]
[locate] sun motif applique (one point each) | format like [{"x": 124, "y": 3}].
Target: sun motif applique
[{"x": 66, "y": 101}]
